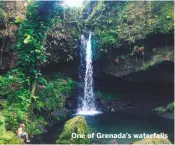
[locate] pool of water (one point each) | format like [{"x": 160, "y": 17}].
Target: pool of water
[
  {"x": 123, "y": 123},
  {"x": 116, "y": 123}
]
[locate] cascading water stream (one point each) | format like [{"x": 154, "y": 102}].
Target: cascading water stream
[{"x": 88, "y": 102}]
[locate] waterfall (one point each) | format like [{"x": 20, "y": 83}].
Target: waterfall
[{"x": 87, "y": 106}]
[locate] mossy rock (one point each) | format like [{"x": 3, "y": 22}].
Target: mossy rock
[
  {"x": 153, "y": 141},
  {"x": 165, "y": 112},
  {"x": 160, "y": 110},
  {"x": 170, "y": 107},
  {"x": 76, "y": 125},
  {"x": 10, "y": 138}
]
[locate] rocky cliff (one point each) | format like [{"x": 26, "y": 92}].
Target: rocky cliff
[{"x": 12, "y": 13}]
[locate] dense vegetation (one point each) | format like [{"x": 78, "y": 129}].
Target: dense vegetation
[
  {"x": 24, "y": 92},
  {"x": 32, "y": 35},
  {"x": 123, "y": 23},
  {"x": 51, "y": 33}
]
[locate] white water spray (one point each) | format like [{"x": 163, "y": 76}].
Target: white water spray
[{"x": 88, "y": 101}]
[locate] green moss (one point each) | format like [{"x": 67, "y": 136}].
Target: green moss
[
  {"x": 160, "y": 110},
  {"x": 153, "y": 141},
  {"x": 10, "y": 138},
  {"x": 170, "y": 107},
  {"x": 76, "y": 125},
  {"x": 146, "y": 65}
]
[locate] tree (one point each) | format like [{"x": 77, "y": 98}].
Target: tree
[{"x": 32, "y": 35}]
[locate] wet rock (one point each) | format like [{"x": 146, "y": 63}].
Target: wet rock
[
  {"x": 99, "y": 105},
  {"x": 62, "y": 114},
  {"x": 113, "y": 110},
  {"x": 114, "y": 141},
  {"x": 130, "y": 104},
  {"x": 168, "y": 115},
  {"x": 161, "y": 71},
  {"x": 71, "y": 103},
  {"x": 165, "y": 112}
]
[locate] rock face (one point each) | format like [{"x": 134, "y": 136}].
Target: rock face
[
  {"x": 11, "y": 13},
  {"x": 139, "y": 91},
  {"x": 153, "y": 141},
  {"x": 77, "y": 125},
  {"x": 137, "y": 103},
  {"x": 160, "y": 72},
  {"x": 157, "y": 48}
]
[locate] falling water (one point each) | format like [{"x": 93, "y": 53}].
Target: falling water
[{"x": 88, "y": 101}]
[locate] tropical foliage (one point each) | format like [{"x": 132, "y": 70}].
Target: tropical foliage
[
  {"x": 117, "y": 23},
  {"x": 51, "y": 32},
  {"x": 21, "y": 96},
  {"x": 32, "y": 35}
]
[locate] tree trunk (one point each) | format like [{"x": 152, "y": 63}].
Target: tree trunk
[
  {"x": 33, "y": 89},
  {"x": 33, "y": 92}
]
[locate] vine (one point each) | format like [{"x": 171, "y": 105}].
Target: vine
[
  {"x": 1, "y": 51},
  {"x": 40, "y": 17}
]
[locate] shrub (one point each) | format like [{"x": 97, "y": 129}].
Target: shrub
[
  {"x": 7, "y": 137},
  {"x": 51, "y": 95}
]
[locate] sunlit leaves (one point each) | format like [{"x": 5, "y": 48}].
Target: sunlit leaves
[{"x": 27, "y": 39}]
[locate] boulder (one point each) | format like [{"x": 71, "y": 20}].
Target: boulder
[
  {"x": 77, "y": 125},
  {"x": 153, "y": 141},
  {"x": 113, "y": 110},
  {"x": 165, "y": 112}
]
